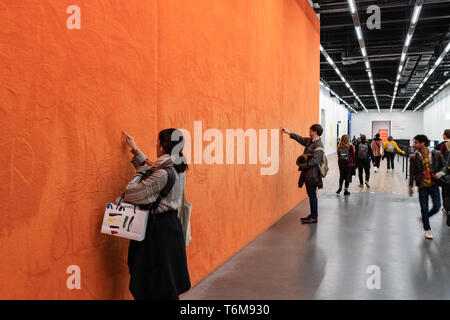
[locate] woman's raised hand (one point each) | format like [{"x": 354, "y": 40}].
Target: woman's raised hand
[
  {"x": 284, "y": 130},
  {"x": 129, "y": 140}
]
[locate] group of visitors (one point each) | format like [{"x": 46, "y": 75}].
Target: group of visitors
[
  {"x": 428, "y": 169},
  {"x": 359, "y": 154}
]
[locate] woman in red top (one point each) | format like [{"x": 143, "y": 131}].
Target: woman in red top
[{"x": 346, "y": 159}]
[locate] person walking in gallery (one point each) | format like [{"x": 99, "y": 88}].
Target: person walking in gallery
[
  {"x": 389, "y": 152},
  {"x": 157, "y": 265},
  {"x": 310, "y": 176},
  {"x": 445, "y": 151},
  {"x": 364, "y": 156},
  {"x": 346, "y": 158},
  {"x": 425, "y": 168},
  {"x": 377, "y": 147}
]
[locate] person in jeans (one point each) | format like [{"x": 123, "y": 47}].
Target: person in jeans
[
  {"x": 425, "y": 168},
  {"x": 376, "y": 146},
  {"x": 389, "y": 151},
  {"x": 445, "y": 150},
  {"x": 346, "y": 158},
  {"x": 364, "y": 155},
  {"x": 310, "y": 174}
]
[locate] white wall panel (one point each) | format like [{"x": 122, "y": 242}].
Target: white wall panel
[
  {"x": 334, "y": 112},
  {"x": 436, "y": 116}
]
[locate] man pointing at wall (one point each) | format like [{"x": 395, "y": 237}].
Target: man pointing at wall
[{"x": 310, "y": 173}]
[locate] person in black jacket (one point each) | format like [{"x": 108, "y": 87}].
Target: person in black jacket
[
  {"x": 364, "y": 155},
  {"x": 310, "y": 175},
  {"x": 426, "y": 167},
  {"x": 444, "y": 148}
]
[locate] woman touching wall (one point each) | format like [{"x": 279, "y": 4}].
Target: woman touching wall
[{"x": 158, "y": 265}]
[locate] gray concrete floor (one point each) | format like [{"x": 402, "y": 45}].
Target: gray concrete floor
[{"x": 330, "y": 260}]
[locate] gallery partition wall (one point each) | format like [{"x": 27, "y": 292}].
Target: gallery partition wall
[{"x": 141, "y": 66}]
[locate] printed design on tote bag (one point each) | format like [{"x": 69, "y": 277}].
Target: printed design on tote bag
[{"x": 122, "y": 219}]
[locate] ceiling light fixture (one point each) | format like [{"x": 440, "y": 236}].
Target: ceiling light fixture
[
  {"x": 360, "y": 37},
  {"x": 337, "y": 96},
  {"x": 351, "y": 3},
  {"x": 331, "y": 62},
  {"x": 412, "y": 28},
  {"x": 433, "y": 94},
  {"x": 425, "y": 79}
]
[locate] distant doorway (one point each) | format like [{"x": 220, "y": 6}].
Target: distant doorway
[{"x": 381, "y": 127}]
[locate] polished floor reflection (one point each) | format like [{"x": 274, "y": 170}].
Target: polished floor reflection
[{"x": 330, "y": 260}]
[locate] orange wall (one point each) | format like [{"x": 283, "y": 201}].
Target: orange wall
[{"x": 141, "y": 66}]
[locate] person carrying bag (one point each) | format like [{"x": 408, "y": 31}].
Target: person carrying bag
[
  {"x": 158, "y": 264},
  {"x": 313, "y": 166}
]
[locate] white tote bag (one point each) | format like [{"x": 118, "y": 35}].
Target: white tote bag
[{"x": 125, "y": 220}]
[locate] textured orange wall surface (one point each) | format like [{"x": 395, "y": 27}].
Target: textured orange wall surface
[{"x": 141, "y": 66}]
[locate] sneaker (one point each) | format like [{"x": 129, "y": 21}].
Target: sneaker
[
  {"x": 309, "y": 220},
  {"x": 346, "y": 193},
  {"x": 367, "y": 184},
  {"x": 338, "y": 191},
  {"x": 388, "y": 170},
  {"x": 428, "y": 235},
  {"x": 361, "y": 186}
]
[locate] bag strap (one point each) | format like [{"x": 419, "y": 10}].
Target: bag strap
[
  {"x": 318, "y": 149},
  {"x": 166, "y": 190}
]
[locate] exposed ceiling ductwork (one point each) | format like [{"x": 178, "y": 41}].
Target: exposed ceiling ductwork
[{"x": 405, "y": 56}]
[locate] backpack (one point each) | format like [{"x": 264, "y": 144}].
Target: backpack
[
  {"x": 363, "y": 151},
  {"x": 390, "y": 147},
  {"x": 323, "y": 167},
  {"x": 344, "y": 154}
]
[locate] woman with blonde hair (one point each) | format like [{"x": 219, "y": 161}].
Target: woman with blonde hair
[{"x": 346, "y": 159}]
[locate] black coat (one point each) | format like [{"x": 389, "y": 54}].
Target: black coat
[
  {"x": 363, "y": 163},
  {"x": 158, "y": 265}
]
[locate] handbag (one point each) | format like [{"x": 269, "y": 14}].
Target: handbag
[
  {"x": 129, "y": 221},
  {"x": 125, "y": 220}
]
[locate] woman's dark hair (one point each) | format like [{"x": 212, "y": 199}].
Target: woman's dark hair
[
  {"x": 363, "y": 138},
  {"x": 172, "y": 142},
  {"x": 377, "y": 136},
  {"x": 390, "y": 138},
  {"x": 422, "y": 138},
  {"x": 317, "y": 128}
]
